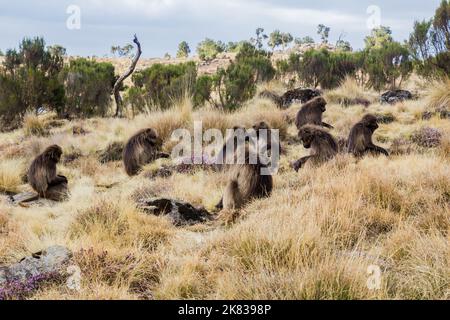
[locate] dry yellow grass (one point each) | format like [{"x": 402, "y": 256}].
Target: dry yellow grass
[
  {"x": 438, "y": 95},
  {"x": 314, "y": 238},
  {"x": 349, "y": 93}
]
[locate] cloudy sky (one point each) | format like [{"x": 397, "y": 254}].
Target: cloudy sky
[{"x": 162, "y": 24}]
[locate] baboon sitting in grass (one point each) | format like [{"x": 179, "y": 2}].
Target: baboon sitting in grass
[
  {"x": 311, "y": 113},
  {"x": 322, "y": 144},
  {"x": 360, "y": 138},
  {"x": 141, "y": 149},
  {"x": 43, "y": 178},
  {"x": 247, "y": 181}
]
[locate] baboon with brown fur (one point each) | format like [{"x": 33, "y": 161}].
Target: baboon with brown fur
[
  {"x": 322, "y": 144},
  {"x": 246, "y": 182},
  {"x": 258, "y": 127},
  {"x": 141, "y": 149},
  {"x": 360, "y": 138},
  {"x": 311, "y": 113},
  {"x": 43, "y": 178}
]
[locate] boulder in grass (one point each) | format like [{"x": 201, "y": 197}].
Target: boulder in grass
[
  {"x": 395, "y": 96},
  {"x": 181, "y": 213},
  {"x": 299, "y": 95},
  {"x": 25, "y": 276}
]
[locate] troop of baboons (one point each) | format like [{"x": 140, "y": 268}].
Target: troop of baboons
[{"x": 245, "y": 181}]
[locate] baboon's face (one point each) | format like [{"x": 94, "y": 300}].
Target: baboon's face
[
  {"x": 152, "y": 138},
  {"x": 306, "y": 136},
  {"x": 261, "y": 126},
  {"x": 322, "y": 104},
  {"x": 371, "y": 122},
  {"x": 54, "y": 153}
]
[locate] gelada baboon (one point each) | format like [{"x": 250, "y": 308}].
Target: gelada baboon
[
  {"x": 311, "y": 113},
  {"x": 247, "y": 181},
  {"x": 43, "y": 178},
  {"x": 264, "y": 137},
  {"x": 141, "y": 149},
  {"x": 360, "y": 138},
  {"x": 322, "y": 144}
]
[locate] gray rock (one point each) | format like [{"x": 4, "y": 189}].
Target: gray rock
[
  {"x": 48, "y": 262},
  {"x": 299, "y": 95},
  {"x": 395, "y": 96},
  {"x": 181, "y": 213}
]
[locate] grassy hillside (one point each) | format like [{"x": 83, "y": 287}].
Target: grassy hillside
[{"x": 314, "y": 238}]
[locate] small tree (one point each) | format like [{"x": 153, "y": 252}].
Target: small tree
[
  {"x": 286, "y": 39},
  {"x": 388, "y": 65},
  {"x": 208, "y": 49},
  {"x": 258, "y": 41},
  {"x": 378, "y": 38},
  {"x": 237, "y": 83},
  {"x": 30, "y": 79},
  {"x": 275, "y": 39},
  {"x": 183, "y": 50},
  {"x": 429, "y": 44},
  {"x": 324, "y": 33}
]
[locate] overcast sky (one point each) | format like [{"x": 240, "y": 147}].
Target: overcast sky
[{"x": 162, "y": 24}]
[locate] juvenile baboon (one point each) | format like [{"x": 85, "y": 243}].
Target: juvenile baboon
[
  {"x": 360, "y": 138},
  {"x": 322, "y": 144},
  {"x": 141, "y": 149},
  {"x": 246, "y": 182},
  {"x": 43, "y": 178},
  {"x": 311, "y": 113}
]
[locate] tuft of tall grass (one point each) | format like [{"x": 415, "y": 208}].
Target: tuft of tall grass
[
  {"x": 438, "y": 95},
  {"x": 11, "y": 173},
  {"x": 34, "y": 125}
]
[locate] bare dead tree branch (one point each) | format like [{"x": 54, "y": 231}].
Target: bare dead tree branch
[{"x": 118, "y": 84}]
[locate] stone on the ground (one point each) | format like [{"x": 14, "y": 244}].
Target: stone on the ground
[
  {"x": 299, "y": 95},
  {"x": 181, "y": 213},
  {"x": 395, "y": 96},
  {"x": 26, "y": 274}
]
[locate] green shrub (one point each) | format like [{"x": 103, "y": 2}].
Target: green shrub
[
  {"x": 29, "y": 80},
  {"x": 208, "y": 49},
  {"x": 429, "y": 44},
  {"x": 161, "y": 84},
  {"x": 88, "y": 87},
  {"x": 237, "y": 83}
]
